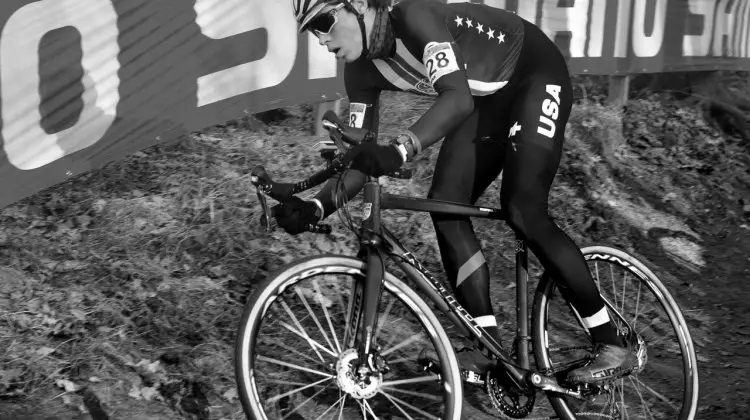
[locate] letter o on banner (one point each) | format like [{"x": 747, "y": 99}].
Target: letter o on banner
[{"x": 26, "y": 143}]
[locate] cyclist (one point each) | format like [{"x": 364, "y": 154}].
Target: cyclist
[{"x": 503, "y": 98}]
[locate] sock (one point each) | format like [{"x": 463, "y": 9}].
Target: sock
[
  {"x": 606, "y": 334},
  {"x": 489, "y": 324},
  {"x": 602, "y": 330}
]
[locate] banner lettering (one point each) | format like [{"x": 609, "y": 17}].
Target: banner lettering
[{"x": 85, "y": 82}]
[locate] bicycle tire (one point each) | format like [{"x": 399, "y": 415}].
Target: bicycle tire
[
  {"x": 265, "y": 294},
  {"x": 541, "y": 333}
]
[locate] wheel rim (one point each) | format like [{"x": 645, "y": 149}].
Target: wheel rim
[
  {"x": 665, "y": 387},
  {"x": 301, "y": 364}
]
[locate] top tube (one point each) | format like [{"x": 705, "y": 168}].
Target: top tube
[{"x": 399, "y": 202}]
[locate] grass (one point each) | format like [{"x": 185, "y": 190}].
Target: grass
[{"x": 129, "y": 280}]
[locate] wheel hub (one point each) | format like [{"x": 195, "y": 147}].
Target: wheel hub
[{"x": 357, "y": 385}]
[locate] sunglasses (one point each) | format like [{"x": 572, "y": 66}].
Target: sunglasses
[{"x": 323, "y": 23}]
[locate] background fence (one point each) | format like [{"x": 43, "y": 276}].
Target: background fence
[{"x": 84, "y": 82}]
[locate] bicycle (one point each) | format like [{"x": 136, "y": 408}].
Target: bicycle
[{"x": 323, "y": 322}]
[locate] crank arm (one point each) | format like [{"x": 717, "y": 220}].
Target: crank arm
[{"x": 547, "y": 383}]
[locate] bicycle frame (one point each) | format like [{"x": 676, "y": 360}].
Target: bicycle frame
[{"x": 373, "y": 247}]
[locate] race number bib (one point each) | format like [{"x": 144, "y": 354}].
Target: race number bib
[
  {"x": 357, "y": 114},
  {"x": 439, "y": 60}
]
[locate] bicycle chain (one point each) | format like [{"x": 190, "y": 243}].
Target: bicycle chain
[
  {"x": 503, "y": 416},
  {"x": 551, "y": 371}
]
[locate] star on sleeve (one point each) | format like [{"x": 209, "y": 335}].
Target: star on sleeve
[
  {"x": 459, "y": 21},
  {"x": 490, "y": 33},
  {"x": 480, "y": 28},
  {"x": 501, "y": 38},
  {"x": 469, "y": 23}
]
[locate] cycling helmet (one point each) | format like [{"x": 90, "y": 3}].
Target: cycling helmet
[
  {"x": 306, "y": 10},
  {"x": 385, "y": 40}
]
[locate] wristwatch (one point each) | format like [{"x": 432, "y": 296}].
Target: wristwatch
[
  {"x": 407, "y": 144},
  {"x": 319, "y": 209}
]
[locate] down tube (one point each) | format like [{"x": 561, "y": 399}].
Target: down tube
[{"x": 422, "y": 283}]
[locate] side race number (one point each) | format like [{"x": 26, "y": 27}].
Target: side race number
[{"x": 439, "y": 60}]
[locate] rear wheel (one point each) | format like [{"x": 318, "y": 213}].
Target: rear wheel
[
  {"x": 665, "y": 386},
  {"x": 296, "y": 354}
]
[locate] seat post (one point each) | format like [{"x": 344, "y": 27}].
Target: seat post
[{"x": 522, "y": 312}]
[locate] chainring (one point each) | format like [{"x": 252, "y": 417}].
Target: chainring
[{"x": 506, "y": 397}]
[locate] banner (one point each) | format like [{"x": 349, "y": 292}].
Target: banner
[
  {"x": 85, "y": 82},
  {"x": 643, "y": 36}
]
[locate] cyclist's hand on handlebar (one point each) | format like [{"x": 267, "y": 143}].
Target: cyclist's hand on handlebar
[
  {"x": 296, "y": 215},
  {"x": 373, "y": 159}
]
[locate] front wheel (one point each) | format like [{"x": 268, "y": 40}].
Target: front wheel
[
  {"x": 665, "y": 384},
  {"x": 296, "y": 351}
]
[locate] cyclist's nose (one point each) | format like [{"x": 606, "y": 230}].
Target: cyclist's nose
[{"x": 323, "y": 39}]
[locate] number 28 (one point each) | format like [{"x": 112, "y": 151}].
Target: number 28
[{"x": 437, "y": 61}]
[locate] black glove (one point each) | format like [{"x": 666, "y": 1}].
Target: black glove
[
  {"x": 373, "y": 159},
  {"x": 296, "y": 215}
]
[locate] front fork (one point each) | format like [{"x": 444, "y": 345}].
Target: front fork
[{"x": 367, "y": 296}]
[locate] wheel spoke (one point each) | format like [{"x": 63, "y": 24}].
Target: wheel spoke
[
  {"x": 340, "y": 401},
  {"x": 343, "y": 403},
  {"x": 411, "y": 381},
  {"x": 655, "y": 393},
  {"x": 646, "y": 409},
  {"x": 297, "y": 352},
  {"x": 622, "y": 399},
  {"x": 383, "y": 319},
  {"x": 596, "y": 278},
  {"x": 296, "y": 390},
  {"x": 661, "y": 338},
  {"x": 614, "y": 290},
  {"x": 301, "y": 331},
  {"x": 624, "y": 284},
  {"x": 414, "y": 393},
  {"x": 398, "y": 407},
  {"x": 328, "y": 317},
  {"x": 346, "y": 310},
  {"x": 314, "y": 318},
  {"x": 314, "y": 344},
  {"x": 303, "y": 403},
  {"x": 367, "y": 405},
  {"x": 404, "y": 359},
  {"x": 393, "y": 399},
  {"x": 289, "y": 365},
  {"x": 288, "y": 383},
  {"x": 406, "y": 342},
  {"x": 637, "y": 305}
]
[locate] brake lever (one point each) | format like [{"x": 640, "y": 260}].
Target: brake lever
[{"x": 265, "y": 218}]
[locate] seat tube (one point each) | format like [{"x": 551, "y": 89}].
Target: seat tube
[{"x": 522, "y": 313}]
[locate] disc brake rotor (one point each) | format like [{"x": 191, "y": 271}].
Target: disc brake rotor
[{"x": 348, "y": 380}]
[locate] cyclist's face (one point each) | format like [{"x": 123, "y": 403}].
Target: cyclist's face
[{"x": 344, "y": 38}]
